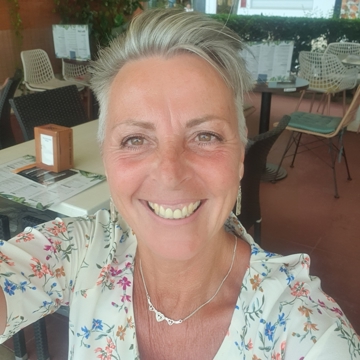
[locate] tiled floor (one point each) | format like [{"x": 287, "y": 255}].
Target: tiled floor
[{"x": 300, "y": 214}]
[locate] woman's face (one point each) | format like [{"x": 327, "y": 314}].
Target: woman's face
[{"x": 172, "y": 153}]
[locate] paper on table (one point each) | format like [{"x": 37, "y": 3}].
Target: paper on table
[{"x": 33, "y": 194}]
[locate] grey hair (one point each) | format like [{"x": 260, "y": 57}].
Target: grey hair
[{"x": 167, "y": 32}]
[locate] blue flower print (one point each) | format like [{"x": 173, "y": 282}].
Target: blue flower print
[
  {"x": 255, "y": 250},
  {"x": 97, "y": 324},
  {"x": 86, "y": 332},
  {"x": 9, "y": 287},
  {"x": 269, "y": 331},
  {"x": 282, "y": 321}
]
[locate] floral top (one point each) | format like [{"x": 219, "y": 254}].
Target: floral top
[{"x": 88, "y": 263}]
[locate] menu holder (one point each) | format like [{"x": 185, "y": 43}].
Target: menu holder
[
  {"x": 54, "y": 147},
  {"x": 269, "y": 61}
]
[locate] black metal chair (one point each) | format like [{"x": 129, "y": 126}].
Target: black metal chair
[
  {"x": 254, "y": 165},
  {"x": 6, "y": 134},
  {"x": 62, "y": 106}
]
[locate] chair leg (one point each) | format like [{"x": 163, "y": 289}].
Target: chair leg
[
  {"x": 333, "y": 162},
  {"x": 20, "y": 346},
  {"x": 321, "y": 103},
  {"x": 344, "y": 102},
  {"x": 41, "y": 341},
  {"x": 257, "y": 231},
  {"x": 312, "y": 102},
  {"x": 302, "y": 93},
  {"x": 288, "y": 146},
  {"x": 346, "y": 163},
  {"x": 297, "y": 139}
]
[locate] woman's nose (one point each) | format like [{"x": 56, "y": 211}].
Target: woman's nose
[{"x": 172, "y": 167}]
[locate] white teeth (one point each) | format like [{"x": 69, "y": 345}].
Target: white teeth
[{"x": 168, "y": 213}]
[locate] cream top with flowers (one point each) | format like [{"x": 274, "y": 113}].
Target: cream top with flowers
[{"x": 88, "y": 263}]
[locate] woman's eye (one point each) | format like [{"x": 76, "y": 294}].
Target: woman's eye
[
  {"x": 133, "y": 141},
  {"x": 207, "y": 137}
]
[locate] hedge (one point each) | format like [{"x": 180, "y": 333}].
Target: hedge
[{"x": 302, "y": 30}]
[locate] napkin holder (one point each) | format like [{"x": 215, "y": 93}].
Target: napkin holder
[{"x": 54, "y": 147}]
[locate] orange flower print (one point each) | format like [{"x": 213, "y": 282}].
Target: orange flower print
[
  {"x": 121, "y": 332},
  {"x": 255, "y": 282},
  {"x": 305, "y": 311},
  {"x": 298, "y": 289},
  {"x": 38, "y": 269},
  {"x": 255, "y": 358},
  {"x": 59, "y": 272},
  {"x": 106, "y": 354},
  {"x": 58, "y": 228},
  {"x": 5, "y": 259},
  {"x": 305, "y": 262},
  {"x": 309, "y": 326},
  {"x": 276, "y": 356},
  {"x": 25, "y": 236},
  {"x": 130, "y": 322}
]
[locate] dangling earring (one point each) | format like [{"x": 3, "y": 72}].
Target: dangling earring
[
  {"x": 113, "y": 211},
  {"x": 238, "y": 202}
]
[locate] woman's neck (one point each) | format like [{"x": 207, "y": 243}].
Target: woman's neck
[{"x": 179, "y": 287}]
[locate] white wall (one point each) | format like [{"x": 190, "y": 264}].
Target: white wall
[{"x": 320, "y": 8}]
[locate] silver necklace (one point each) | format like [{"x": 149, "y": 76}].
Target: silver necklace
[{"x": 161, "y": 317}]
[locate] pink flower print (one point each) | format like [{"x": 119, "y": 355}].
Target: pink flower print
[
  {"x": 249, "y": 345},
  {"x": 126, "y": 298},
  {"x": 337, "y": 310},
  {"x": 128, "y": 265},
  {"x": 25, "y": 236},
  {"x": 58, "y": 228},
  {"x": 321, "y": 303},
  {"x": 115, "y": 272},
  {"x": 283, "y": 346},
  {"x": 276, "y": 356},
  {"x": 106, "y": 354},
  {"x": 329, "y": 298},
  {"x": 5, "y": 259},
  {"x": 298, "y": 289},
  {"x": 305, "y": 263},
  {"x": 124, "y": 282}
]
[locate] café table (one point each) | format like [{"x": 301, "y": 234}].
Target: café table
[
  {"x": 86, "y": 157},
  {"x": 267, "y": 89}
]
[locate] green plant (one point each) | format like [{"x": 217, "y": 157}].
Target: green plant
[
  {"x": 106, "y": 18},
  {"x": 307, "y": 33},
  {"x": 15, "y": 19}
]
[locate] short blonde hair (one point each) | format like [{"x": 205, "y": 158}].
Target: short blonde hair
[{"x": 167, "y": 32}]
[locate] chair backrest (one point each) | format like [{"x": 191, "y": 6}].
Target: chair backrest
[
  {"x": 254, "y": 165},
  {"x": 343, "y": 48},
  {"x": 325, "y": 71},
  {"x": 74, "y": 71},
  {"x": 4, "y": 227},
  {"x": 351, "y": 111},
  {"x": 61, "y": 106},
  {"x": 6, "y": 134},
  {"x": 37, "y": 66}
]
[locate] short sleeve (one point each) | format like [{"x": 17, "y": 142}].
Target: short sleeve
[{"x": 41, "y": 264}]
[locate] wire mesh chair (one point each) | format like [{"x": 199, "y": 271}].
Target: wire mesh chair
[
  {"x": 324, "y": 128},
  {"x": 76, "y": 73},
  {"x": 7, "y": 137},
  {"x": 326, "y": 75},
  {"x": 38, "y": 72},
  {"x": 62, "y": 106},
  {"x": 254, "y": 164},
  {"x": 342, "y": 49}
]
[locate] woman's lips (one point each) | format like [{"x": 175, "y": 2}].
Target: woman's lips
[{"x": 175, "y": 213}]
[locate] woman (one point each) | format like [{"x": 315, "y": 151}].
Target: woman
[{"x": 165, "y": 278}]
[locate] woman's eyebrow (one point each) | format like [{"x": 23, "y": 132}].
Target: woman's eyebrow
[
  {"x": 141, "y": 124},
  {"x": 199, "y": 121}
]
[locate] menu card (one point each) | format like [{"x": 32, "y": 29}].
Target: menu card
[
  {"x": 71, "y": 42},
  {"x": 269, "y": 61},
  {"x": 21, "y": 181}
]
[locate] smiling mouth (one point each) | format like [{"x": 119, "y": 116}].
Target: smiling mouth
[{"x": 180, "y": 213}]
